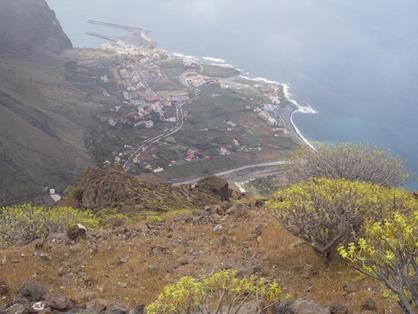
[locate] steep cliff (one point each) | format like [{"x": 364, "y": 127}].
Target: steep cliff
[
  {"x": 30, "y": 26},
  {"x": 43, "y": 116}
]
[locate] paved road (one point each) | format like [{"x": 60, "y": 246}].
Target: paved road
[{"x": 232, "y": 171}]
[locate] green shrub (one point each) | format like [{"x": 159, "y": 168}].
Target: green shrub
[
  {"x": 328, "y": 212},
  {"x": 220, "y": 293},
  {"x": 25, "y": 223},
  {"x": 347, "y": 161},
  {"x": 112, "y": 218}
]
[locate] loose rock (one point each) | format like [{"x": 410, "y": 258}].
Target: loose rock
[
  {"x": 218, "y": 229},
  {"x": 338, "y": 309},
  {"x": 139, "y": 309},
  {"x": 369, "y": 305},
  {"x": 97, "y": 305},
  {"x": 350, "y": 287},
  {"x": 33, "y": 291},
  {"x": 116, "y": 309},
  {"x": 77, "y": 232},
  {"x": 17, "y": 309},
  {"x": 39, "y": 306},
  {"x": 60, "y": 302},
  {"x": 299, "y": 306},
  {"x": 4, "y": 289}
]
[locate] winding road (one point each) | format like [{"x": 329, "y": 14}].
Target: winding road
[{"x": 151, "y": 141}]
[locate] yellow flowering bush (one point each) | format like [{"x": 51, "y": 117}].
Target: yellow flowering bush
[
  {"x": 389, "y": 252},
  {"x": 329, "y": 212},
  {"x": 223, "y": 292},
  {"x": 21, "y": 224}
]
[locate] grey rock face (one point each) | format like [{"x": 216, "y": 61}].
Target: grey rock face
[{"x": 30, "y": 26}]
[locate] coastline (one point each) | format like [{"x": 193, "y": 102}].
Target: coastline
[
  {"x": 286, "y": 91},
  {"x": 300, "y": 109},
  {"x": 298, "y": 132}
]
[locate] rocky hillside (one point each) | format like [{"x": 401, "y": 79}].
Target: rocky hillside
[
  {"x": 115, "y": 270},
  {"x": 30, "y": 26}
]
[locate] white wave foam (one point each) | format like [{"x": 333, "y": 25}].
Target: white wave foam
[
  {"x": 223, "y": 65},
  {"x": 302, "y": 109},
  {"x": 245, "y": 77},
  {"x": 258, "y": 79},
  {"x": 216, "y": 60},
  {"x": 190, "y": 59},
  {"x": 175, "y": 54},
  {"x": 264, "y": 80}
]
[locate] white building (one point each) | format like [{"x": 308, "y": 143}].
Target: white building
[{"x": 266, "y": 117}]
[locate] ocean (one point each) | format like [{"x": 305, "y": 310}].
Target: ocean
[{"x": 354, "y": 62}]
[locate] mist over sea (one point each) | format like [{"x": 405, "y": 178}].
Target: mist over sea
[{"x": 355, "y": 62}]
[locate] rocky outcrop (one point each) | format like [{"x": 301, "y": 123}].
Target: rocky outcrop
[
  {"x": 30, "y": 26},
  {"x": 111, "y": 187},
  {"x": 215, "y": 186}
]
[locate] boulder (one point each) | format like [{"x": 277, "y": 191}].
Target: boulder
[
  {"x": 139, "y": 309},
  {"x": 33, "y": 291},
  {"x": 299, "y": 306},
  {"x": 77, "y": 232},
  {"x": 338, "y": 309},
  {"x": 59, "y": 302},
  {"x": 260, "y": 203},
  {"x": 86, "y": 311},
  {"x": 4, "y": 289},
  {"x": 97, "y": 305},
  {"x": 17, "y": 309},
  {"x": 350, "y": 287},
  {"x": 115, "y": 308},
  {"x": 183, "y": 261},
  {"x": 39, "y": 306},
  {"x": 282, "y": 308},
  {"x": 218, "y": 229},
  {"x": 369, "y": 305}
]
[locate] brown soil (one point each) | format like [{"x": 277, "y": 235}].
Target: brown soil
[{"x": 133, "y": 264}]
